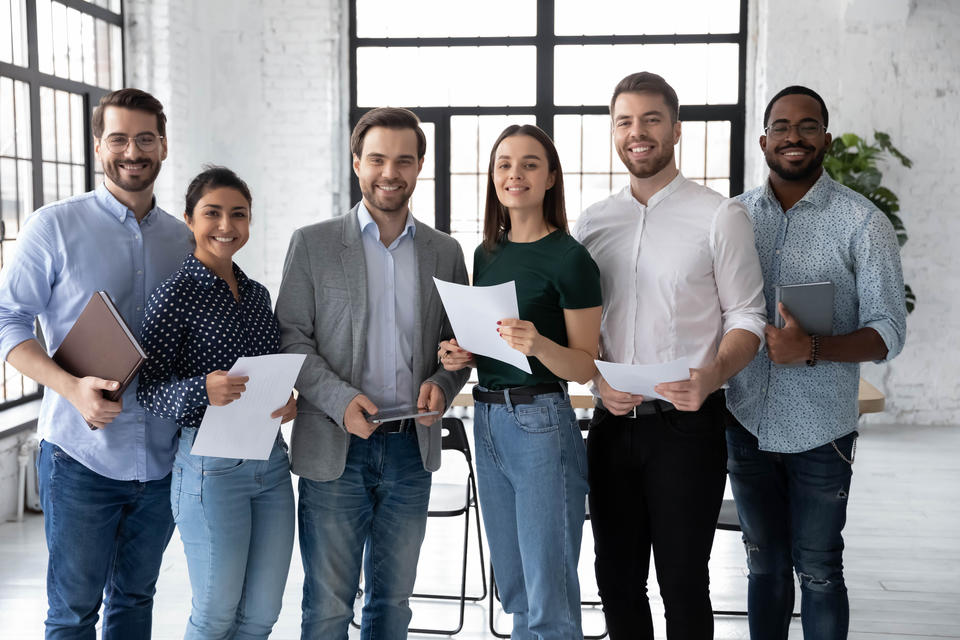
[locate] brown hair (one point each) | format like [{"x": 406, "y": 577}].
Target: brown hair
[
  {"x": 646, "y": 82},
  {"x": 496, "y": 217},
  {"x": 129, "y": 99},
  {"x": 213, "y": 177},
  {"x": 391, "y": 118}
]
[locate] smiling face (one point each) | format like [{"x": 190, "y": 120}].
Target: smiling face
[
  {"x": 388, "y": 169},
  {"x": 220, "y": 224},
  {"x": 644, "y": 134},
  {"x": 131, "y": 170},
  {"x": 792, "y": 155},
  {"x": 521, "y": 173}
]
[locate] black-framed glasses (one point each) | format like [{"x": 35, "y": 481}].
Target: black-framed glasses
[
  {"x": 804, "y": 129},
  {"x": 118, "y": 143}
]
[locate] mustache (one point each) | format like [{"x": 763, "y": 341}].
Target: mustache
[
  {"x": 135, "y": 161},
  {"x": 795, "y": 145}
]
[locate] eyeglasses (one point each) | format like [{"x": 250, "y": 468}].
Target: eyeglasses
[
  {"x": 804, "y": 129},
  {"x": 118, "y": 143}
]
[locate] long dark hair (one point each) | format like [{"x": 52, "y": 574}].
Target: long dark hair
[{"x": 496, "y": 218}]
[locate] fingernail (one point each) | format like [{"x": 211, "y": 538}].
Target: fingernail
[{"x": 498, "y": 322}]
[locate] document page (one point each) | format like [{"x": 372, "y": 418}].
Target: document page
[
  {"x": 642, "y": 378},
  {"x": 473, "y": 313},
  {"x": 244, "y": 428}
]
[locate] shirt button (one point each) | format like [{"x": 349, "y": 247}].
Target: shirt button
[
  {"x": 139, "y": 308},
  {"x": 778, "y": 251},
  {"x": 139, "y": 418}
]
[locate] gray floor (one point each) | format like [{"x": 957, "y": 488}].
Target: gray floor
[{"x": 902, "y": 560}]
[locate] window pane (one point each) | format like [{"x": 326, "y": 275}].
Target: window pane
[
  {"x": 13, "y": 32},
  {"x": 423, "y": 201},
  {"x": 89, "y": 38},
  {"x": 442, "y": 76},
  {"x": 61, "y": 66},
  {"x": 45, "y": 36},
  {"x": 390, "y": 19},
  {"x": 116, "y": 57},
  {"x": 718, "y": 149},
  {"x": 615, "y": 17},
  {"x": 591, "y": 168},
  {"x": 103, "y": 54},
  {"x": 76, "y": 129},
  {"x": 62, "y": 125},
  {"x": 48, "y": 126},
  {"x": 75, "y": 45},
  {"x": 700, "y": 73},
  {"x": 693, "y": 150},
  {"x": 8, "y": 134}
]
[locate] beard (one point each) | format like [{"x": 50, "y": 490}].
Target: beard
[
  {"x": 132, "y": 183},
  {"x": 650, "y": 166},
  {"x": 387, "y": 204},
  {"x": 795, "y": 173}
]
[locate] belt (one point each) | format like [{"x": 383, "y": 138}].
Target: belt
[
  {"x": 396, "y": 426},
  {"x": 646, "y": 408},
  {"x": 518, "y": 395}
]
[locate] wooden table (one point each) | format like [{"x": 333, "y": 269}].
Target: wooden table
[{"x": 871, "y": 400}]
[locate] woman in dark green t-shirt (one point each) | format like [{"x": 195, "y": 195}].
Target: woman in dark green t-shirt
[{"x": 531, "y": 460}]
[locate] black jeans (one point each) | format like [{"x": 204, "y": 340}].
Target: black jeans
[{"x": 658, "y": 481}]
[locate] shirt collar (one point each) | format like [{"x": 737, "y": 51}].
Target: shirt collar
[
  {"x": 207, "y": 278},
  {"x": 119, "y": 210},
  {"x": 816, "y": 196},
  {"x": 368, "y": 225},
  {"x": 669, "y": 189}
]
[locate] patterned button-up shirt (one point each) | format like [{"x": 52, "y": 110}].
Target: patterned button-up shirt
[{"x": 832, "y": 234}]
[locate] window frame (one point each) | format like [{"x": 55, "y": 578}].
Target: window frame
[
  {"x": 35, "y": 79},
  {"x": 545, "y": 41}
]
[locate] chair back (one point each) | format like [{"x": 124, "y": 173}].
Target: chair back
[{"x": 455, "y": 437}]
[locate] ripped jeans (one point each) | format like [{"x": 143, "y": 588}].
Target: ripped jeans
[{"x": 792, "y": 509}]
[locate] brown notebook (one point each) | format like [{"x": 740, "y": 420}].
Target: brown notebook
[{"x": 101, "y": 344}]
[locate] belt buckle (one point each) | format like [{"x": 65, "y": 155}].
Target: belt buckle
[{"x": 632, "y": 414}]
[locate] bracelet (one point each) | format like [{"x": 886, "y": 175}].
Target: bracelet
[{"x": 814, "y": 350}]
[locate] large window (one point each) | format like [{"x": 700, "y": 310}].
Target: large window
[
  {"x": 470, "y": 69},
  {"x": 57, "y": 58}
]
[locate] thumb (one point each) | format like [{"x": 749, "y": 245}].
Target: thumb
[
  {"x": 788, "y": 319},
  {"x": 454, "y": 342},
  {"x": 366, "y": 404},
  {"x": 109, "y": 385},
  {"x": 423, "y": 400}
]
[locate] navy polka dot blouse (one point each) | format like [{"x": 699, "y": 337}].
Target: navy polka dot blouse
[{"x": 194, "y": 326}]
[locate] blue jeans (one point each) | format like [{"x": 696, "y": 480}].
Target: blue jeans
[
  {"x": 105, "y": 540},
  {"x": 792, "y": 509},
  {"x": 236, "y": 521},
  {"x": 532, "y": 479},
  {"x": 376, "y": 511}
]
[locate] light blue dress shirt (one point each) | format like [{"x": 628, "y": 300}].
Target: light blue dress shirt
[
  {"x": 65, "y": 252},
  {"x": 391, "y": 294},
  {"x": 832, "y": 234}
]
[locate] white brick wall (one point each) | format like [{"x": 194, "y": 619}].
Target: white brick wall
[
  {"x": 260, "y": 86},
  {"x": 893, "y": 66}
]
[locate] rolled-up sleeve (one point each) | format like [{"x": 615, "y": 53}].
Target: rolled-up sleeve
[
  {"x": 737, "y": 270},
  {"x": 26, "y": 284},
  {"x": 879, "y": 277}
]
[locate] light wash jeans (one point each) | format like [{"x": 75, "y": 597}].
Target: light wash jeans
[
  {"x": 532, "y": 479},
  {"x": 236, "y": 520},
  {"x": 376, "y": 511}
]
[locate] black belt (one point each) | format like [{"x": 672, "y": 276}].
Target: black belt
[
  {"x": 518, "y": 395},
  {"x": 396, "y": 426},
  {"x": 646, "y": 408}
]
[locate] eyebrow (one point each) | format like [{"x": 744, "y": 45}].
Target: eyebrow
[
  {"x": 654, "y": 112},
  {"x": 802, "y": 120},
  {"x": 529, "y": 156},
  {"x": 405, "y": 156},
  {"x": 122, "y": 133}
]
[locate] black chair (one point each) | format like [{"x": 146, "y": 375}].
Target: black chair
[{"x": 495, "y": 595}]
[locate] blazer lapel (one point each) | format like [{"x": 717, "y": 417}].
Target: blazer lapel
[
  {"x": 355, "y": 277},
  {"x": 426, "y": 258}
]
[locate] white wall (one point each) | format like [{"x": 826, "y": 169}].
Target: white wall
[
  {"x": 893, "y": 66},
  {"x": 260, "y": 86}
]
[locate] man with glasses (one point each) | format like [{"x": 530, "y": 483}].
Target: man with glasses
[
  {"x": 104, "y": 466},
  {"x": 680, "y": 277},
  {"x": 791, "y": 437}
]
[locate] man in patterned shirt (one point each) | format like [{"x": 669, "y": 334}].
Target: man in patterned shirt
[{"x": 792, "y": 431}]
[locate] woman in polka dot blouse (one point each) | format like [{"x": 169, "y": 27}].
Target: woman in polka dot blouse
[{"x": 236, "y": 517}]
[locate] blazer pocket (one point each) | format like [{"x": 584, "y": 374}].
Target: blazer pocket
[{"x": 333, "y": 293}]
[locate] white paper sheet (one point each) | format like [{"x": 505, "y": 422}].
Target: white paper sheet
[
  {"x": 642, "y": 378},
  {"x": 473, "y": 313},
  {"x": 244, "y": 428}
]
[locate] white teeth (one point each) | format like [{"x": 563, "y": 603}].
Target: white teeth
[
  {"x": 390, "y": 188},
  {"x": 794, "y": 153},
  {"x": 516, "y": 188},
  {"x": 639, "y": 149},
  {"x": 223, "y": 239}
]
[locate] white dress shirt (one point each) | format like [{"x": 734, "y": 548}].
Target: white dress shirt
[
  {"x": 391, "y": 287},
  {"x": 677, "y": 274}
]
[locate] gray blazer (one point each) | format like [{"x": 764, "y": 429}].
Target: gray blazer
[{"x": 322, "y": 309}]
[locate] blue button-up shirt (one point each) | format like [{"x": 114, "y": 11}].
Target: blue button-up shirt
[
  {"x": 65, "y": 252},
  {"x": 391, "y": 291},
  {"x": 832, "y": 234}
]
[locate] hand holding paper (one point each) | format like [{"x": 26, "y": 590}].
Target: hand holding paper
[
  {"x": 641, "y": 379},
  {"x": 473, "y": 314}
]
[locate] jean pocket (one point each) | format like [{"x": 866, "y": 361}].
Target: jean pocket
[
  {"x": 176, "y": 484},
  {"x": 535, "y": 418},
  {"x": 214, "y": 467}
]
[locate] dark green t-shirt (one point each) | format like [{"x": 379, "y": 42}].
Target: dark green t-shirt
[{"x": 552, "y": 274}]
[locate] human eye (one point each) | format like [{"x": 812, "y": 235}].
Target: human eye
[
  {"x": 779, "y": 129},
  {"x": 652, "y": 120},
  {"x": 809, "y": 129}
]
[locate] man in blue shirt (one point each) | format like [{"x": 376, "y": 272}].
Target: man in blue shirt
[
  {"x": 104, "y": 466},
  {"x": 791, "y": 437}
]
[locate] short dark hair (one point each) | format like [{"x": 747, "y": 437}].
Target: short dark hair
[
  {"x": 213, "y": 177},
  {"x": 496, "y": 217},
  {"x": 802, "y": 91},
  {"x": 391, "y": 118},
  {"x": 129, "y": 99},
  {"x": 646, "y": 82}
]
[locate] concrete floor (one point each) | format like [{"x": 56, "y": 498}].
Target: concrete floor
[{"x": 902, "y": 560}]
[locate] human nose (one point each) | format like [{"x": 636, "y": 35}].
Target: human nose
[{"x": 389, "y": 170}]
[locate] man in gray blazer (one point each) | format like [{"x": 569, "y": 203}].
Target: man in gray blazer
[{"x": 358, "y": 298}]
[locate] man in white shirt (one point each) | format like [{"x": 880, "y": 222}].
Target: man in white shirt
[{"x": 680, "y": 277}]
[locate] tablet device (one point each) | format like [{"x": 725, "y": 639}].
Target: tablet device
[{"x": 402, "y": 413}]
